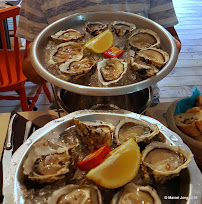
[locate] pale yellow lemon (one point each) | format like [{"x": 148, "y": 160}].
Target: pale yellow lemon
[
  {"x": 101, "y": 42},
  {"x": 119, "y": 168}
]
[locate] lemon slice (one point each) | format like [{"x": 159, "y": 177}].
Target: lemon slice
[
  {"x": 101, "y": 42},
  {"x": 120, "y": 167}
]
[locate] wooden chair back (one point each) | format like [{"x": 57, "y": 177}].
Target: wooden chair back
[{"x": 10, "y": 69}]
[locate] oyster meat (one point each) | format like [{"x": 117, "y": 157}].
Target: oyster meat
[
  {"x": 95, "y": 134},
  {"x": 144, "y": 69},
  {"x": 161, "y": 161},
  {"x": 70, "y": 51},
  {"x": 111, "y": 70},
  {"x": 78, "y": 68},
  {"x": 144, "y": 38},
  {"x": 121, "y": 28},
  {"x": 95, "y": 28},
  {"x": 140, "y": 130},
  {"x": 156, "y": 56},
  {"x": 132, "y": 193},
  {"x": 75, "y": 194},
  {"x": 67, "y": 35},
  {"x": 46, "y": 164}
]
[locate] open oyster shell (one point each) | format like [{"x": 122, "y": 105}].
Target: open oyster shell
[
  {"x": 76, "y": 194},
  {"x": 95, "y": 28},
  {"x": 78, "y": 68},
  {"x": 111, "y": 70},
  {"x": 67, "y": 35},
  {"x": 132, "y": 193},
  {"x": 144, "y": 69},
  {"x": 95, "y": 134},
  {"x": 161, "y": 161},
  {"x": 156, "y": 56},
  {"x": 144, "y": 38},
  {"x": 69, "y": 51},
  {"x": 140, "y": 130},
  {"x": 121, "y": 28},
  {"x": 46, "y": 164}
]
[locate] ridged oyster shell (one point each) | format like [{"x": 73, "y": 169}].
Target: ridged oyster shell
[
  {"x": 131, "y": 193},
  {"x": 140, "y": 130},
  {"x": 157, "y": 57},
  {"x": 95, "y": 28},
  {"x": 46, "y": 164},
  {"x": 111, "y": 70},
  {"x": 121, "y": 28},
  {"x": 144, "y": 69},
  {"x": 76, "y": 194},
  {"x": 95, "y": 134},
  {"x": 69, "y": 51},
  {"x": 144, "y": 38},
  {"x": 67, "y": 35},
  {"x": 78, "y": 68},
  {"x": 161, "y": 161}
]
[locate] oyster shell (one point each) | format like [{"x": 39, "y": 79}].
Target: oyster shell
[
  {"x": 78, "y": 68},
  {"x": 95, "y": 134},
  {"x": 161, "y": 161},
  {"x": 67, "y": 35},
  {"x": 121, "y": 28},
  {"x": 144, "y": 38},
  {"x": 95, "y": 28},
  {"x": 111, "y": 70},
  {"x": 156, "y": 56},
  {"x": 76, "y": 194},
  {"x": 46, "y": 164},
  {"x": 132, "y": 193},
  {"x": 144, "y": 69},
  {"x": 69, "y": 51},
  {"x": 140, "y": 130}
]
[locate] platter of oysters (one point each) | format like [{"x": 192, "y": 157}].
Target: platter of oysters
[
  {"x": 47, "y": 167},
  {"x": 140, "y": 53}
]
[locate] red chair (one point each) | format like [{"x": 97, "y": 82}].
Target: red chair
[{"x": 11, "y": 75}]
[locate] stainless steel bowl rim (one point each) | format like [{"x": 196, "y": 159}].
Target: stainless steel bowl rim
[
  {"x": 12, "y": 188},
  {"x": 103, "y": 91}
]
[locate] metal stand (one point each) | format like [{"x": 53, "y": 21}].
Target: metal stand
[{"x": 55, "y": 99}]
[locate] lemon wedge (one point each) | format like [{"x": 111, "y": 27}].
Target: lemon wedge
[
  {"x": 101, "y": 42},
  {"x": 120, "y": 167}
]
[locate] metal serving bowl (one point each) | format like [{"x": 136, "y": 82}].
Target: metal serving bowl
[
  {"x": 184, "y": 189},
  {"x": 136, "y": 102},
  {"x": 78, "y": 21}
]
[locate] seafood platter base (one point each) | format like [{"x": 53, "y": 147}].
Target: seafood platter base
[
  {"x": 78, "y": 22},
  {"x": 186, "y": 188},
  {"x": 136, "y": 102}
]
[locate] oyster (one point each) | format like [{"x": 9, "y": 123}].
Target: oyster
[
  {"x": 144, "y": 38},
  {"x": 144, "y": 69},
  {"x": 95, "y": 134},
  {"x": 132, "y": 193},
  {"x": 95, "y": 28},
  {"x": 46, "y": 164},
  {"x": 121, "y": 28},
  {"x": 111, "y": 70},
  {"x": 156, "y": 56},
  {"x": 70, "y": 51},
  {"x": 67, "y": 35},
  {"x": 140, "y": 130},
  {"x": 85, "y": 194},
  {"x": 161, "y": 161},
  {"x": 78, "y": 68}
]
